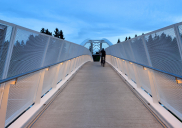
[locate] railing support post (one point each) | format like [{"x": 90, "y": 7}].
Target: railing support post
[
  {"x": 71, "y": 64},
  {"x": 65, "y": 70},
  {"x": 152, "y": 85},
  {"x": 176, "y": 30},
  {"x": 4, "y": 101},
  {"x": 136, "y": 76},
  {"x": 127, "y": 69},
  {"x": 54, "y": 83},
  {"x": 9, "y": 53},
  {"x": 40, "y": 85}
]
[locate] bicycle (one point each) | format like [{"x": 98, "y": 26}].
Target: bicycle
[{"x": 102, "y": 61}]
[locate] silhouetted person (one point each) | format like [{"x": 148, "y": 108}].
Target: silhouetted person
[{"x": 103, "y": 54}]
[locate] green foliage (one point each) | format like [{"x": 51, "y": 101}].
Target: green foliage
[
  {"x": 126, "y": 39},
  {"x": 118, "y": 41},
  {"x": 61, "y": 36},
  {"x": 56, "y": 33}
]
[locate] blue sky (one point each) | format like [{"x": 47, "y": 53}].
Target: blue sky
[{"x": 94, "y": 19}]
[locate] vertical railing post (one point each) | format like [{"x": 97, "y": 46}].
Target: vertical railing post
[
  {"x": 152, "y": 85},
  {"x": 71, "y": 64},
  {"x": 65, "y": 70},
  {"x": 135, "y": 69},
  {"x": 74, "y": 64},
  {"x": 54, "y": 83},
  {"x": 178, "y": 38},
  {"x": 9, "y": 53},
  {"x": 62, "y": 70},
  {"x": 120, "y": 65},
  {"x": 68, "y": 67},
  {"x": 4, "y": 101},
  {"x": 127, "y": 69},
  {"x": 40, "y": 86},
  {"x": 76, "y": 60}
]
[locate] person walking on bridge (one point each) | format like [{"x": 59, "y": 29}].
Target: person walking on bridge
[{"x": 103, "y": 56}]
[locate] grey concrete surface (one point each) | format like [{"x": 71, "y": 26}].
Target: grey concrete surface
[{"x": 96, "y": 98}]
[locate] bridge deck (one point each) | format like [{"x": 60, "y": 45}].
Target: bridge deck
[{"x": 96, "y": 98}]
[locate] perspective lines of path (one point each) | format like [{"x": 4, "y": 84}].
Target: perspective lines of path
[{"x": 96, "y": 97}]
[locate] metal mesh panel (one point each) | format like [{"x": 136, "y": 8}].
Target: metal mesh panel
[
  {"x": 5, "y": 35},
  {"x": 53, "y": 51},
  {"x": 64, "y": 51},
  {"x": 27, "y": 52},
  {"x": 122, "y": 51},
  {"x": 21, "y": 95},
  {"x": 71, "y": 50},
  {"x": 139, "y": 51},
  {"x": 127, "y": 50},
  {"x": 163, "y": 50},
  {"x": 169, "y": 92},
  {"x": 144, "y": 78},
  {"x": 48, "y": 79}
]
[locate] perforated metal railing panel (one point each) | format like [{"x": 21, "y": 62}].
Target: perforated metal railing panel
[
  {"x": 48, "y": 79},
  {"x": 144, "y": 78},
  {"x": 160, "y": 50},
  {"x": 170, "y": 92},
  {"x": 27, "y": 52},
  {"x": 5, "y": 36},
  {"x": 53, "y": 51},
  {"x": 139, "y": 51},
  {"x": 21, "y": 95},
  {"x": 164, "y": 52}
]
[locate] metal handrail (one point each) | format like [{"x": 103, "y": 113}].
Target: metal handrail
[
  {"x": 168, "y": 73},
  {"x": 26, "y": 73}
]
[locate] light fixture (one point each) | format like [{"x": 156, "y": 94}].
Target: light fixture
[
  {"x": 178, "y": 81},
  {"x": 131, "y": 63},
  {"x": 47, "y": 69},
  {"x": 122, "y": 60},
  {"x": 14, "y": 82},
  {"x": 144, "y": 68}
]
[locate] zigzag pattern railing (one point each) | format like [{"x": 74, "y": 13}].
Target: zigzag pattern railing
[
  {"x": 154, "y": 62},
  {"x": 31, "y": 63}
]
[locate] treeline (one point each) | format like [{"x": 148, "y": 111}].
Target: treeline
[
  {"x": 57, "y": 33},
  {"x": 127, "y": 38}
]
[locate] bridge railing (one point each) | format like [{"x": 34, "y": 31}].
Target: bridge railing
[
  {"x": 154, "y": 62},
  {"x": 32, "y": 63}
]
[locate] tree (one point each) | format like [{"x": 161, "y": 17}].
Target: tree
[
  {"x": 56, "y": 33},
  {"x": 48, "y": 32},
  {"x": 135, "y": 35},
  {"x": 61, "y": 36},
  {"x": 126, "y": 39},
  {"x": 42, "y": 30},
  {"x": 129, "y": 37},
  {"x": 118, "y": 41}
]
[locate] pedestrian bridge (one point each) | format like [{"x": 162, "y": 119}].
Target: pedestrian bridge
[{"x": 49, "y": 82}]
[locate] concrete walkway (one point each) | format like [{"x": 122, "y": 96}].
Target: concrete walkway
[{"x": 96, "y": 98}]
